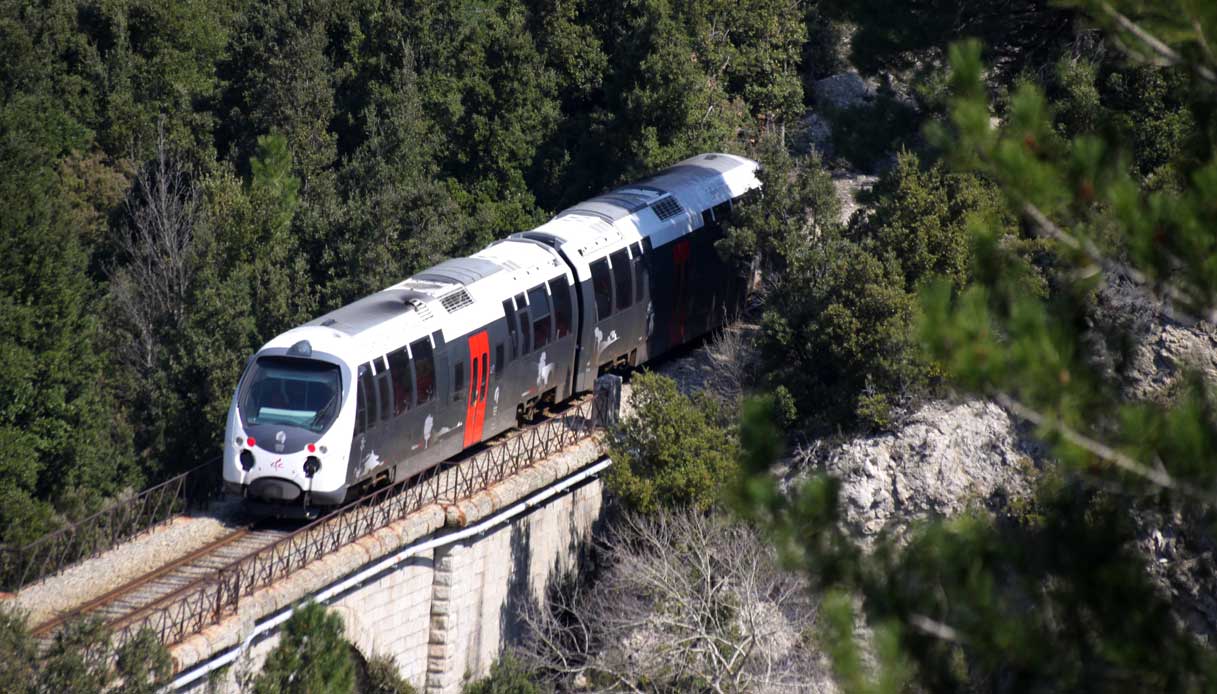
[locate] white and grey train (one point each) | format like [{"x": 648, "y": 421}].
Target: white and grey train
[{"x": 397, "y": 382}]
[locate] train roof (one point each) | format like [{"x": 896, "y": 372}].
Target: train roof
[
  {"x": 661, "y": 207},
  {"x": 664, "y": 192}
]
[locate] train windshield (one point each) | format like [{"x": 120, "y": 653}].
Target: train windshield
[{"x": 293, "y": 392}]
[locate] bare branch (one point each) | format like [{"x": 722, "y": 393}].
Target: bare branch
[
  {"x": 149, "y": 288},
  {"x": 686, "y": 598}
]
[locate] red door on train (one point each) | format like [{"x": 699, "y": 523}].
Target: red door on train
[{"x": 479, "y": 380}]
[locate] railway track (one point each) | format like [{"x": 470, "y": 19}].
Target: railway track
[
  {"x": 176, "y": 597},
  {"x": 128, "y": 601}
]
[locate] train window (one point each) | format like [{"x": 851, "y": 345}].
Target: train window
[
  {"x": 458, "y": 381},
  {"x": 475, "y": 380},
  {"x": 498, "y": 361},
  {"x": 722, "y": 211},
  {"x": 403, "y": 382},
  {"x": 382, "y": 382},
  {"x": 424, "y": 370},
  {"x": 523, "y": 318},
  {"x": 509, "y": 313},
  {"x": 602, "y": 286},
  {"x": 640, "y": 273},
  {"x": 621, "y": 278},
  {"x": 485, "y": 378},
  {"x": 559, "y": 289},
  {"x": 369, "y": 394},
  {"x": 538, "y": 305},
  {"x": 291, "y": 392},
  {"x": 361, "y": 400}
]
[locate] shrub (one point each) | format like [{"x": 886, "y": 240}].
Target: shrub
[
  {"x": 672, "y": 450},
  {"x": 312, "y": 656},
  {"x": 507, "y": 676},
  {"x": 380, "y": 676}
]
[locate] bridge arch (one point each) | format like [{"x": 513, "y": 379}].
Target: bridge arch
[{"x": 356, "y": 631}]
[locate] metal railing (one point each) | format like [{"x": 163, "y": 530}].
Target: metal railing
[
  {"x": 112, "y": 525},
  {"x": 210, "y": 598}
]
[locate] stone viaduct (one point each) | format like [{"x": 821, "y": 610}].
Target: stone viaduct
[{"x": 440, "y": 590}]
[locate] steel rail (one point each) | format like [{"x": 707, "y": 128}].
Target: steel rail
[
  {"x": 210, "y": 598},
  {"x": 47, "y": 627}
]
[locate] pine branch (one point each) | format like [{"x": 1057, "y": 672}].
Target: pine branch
[
  {"x": 1174, "y": 302},
  {"x": 1156, "y": 476},
  {"x": 1167, "y": 54}
]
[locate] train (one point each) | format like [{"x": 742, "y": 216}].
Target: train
[{"x": 395, "y": 383}]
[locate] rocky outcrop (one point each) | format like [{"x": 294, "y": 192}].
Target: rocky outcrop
[
  {"x": 1134, "y": 345},
  {"x": 943, "y": 459},
  {"x": 842, "y": 91},
  {"x": 1182, "y": 557}
]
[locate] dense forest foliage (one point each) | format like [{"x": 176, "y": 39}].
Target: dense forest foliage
[
  {"x": 181, "y": 182},
  {"x": 184, "y": 181}
]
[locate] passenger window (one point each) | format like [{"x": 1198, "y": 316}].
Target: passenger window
[
  {"x": 509, "y": 313},
  {"x": 424, "y": 370},
  {"x": 722, "y": 211},
  {"x": 621, "y": 278},
  {"x": 403, "y": 382},
  {"x": 498, "y": 361},
  {"x": 523, "y": 318},
  {"x": 369, "y": 395},
  {"x": 538, "y": 305},
  {"x": 602, "y": 286},
  {"x": 382, "y": 382},
  {"x": 361, "y": 399},
  {"x": 458, "y": 381},
  {"x": 640, "y": 273},
  {"x": 559, "y": 290}
]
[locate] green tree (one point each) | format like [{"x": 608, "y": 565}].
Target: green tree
[
  {"x": 1057, "y": 597},
  {"x": 58, "y": 414},
  {"x": 507, "y": 676},
  {"x": 401, "y": 216},
  {"x": 18, "y": 653},
  {"x": 920, "y": 217},
  {"x": 904, "y": 37},
  {"x": 381, "y": 676},
  {"x": 312, "y": 657},
  {"x": 143, "y": 664},
  {"x": 252, "y": 283},
  {"x": 798, "y": 206},
  {"x": 671, "y": 450}
]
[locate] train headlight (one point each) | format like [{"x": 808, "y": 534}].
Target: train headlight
[
  {"x": 247, "y": 460},
  {"x": 311, "y": 466}
]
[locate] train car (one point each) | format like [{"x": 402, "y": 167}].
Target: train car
[{"x": 393, "y": 384}]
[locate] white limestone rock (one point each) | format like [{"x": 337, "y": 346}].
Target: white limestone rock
[{"x": 944, "y": 458}]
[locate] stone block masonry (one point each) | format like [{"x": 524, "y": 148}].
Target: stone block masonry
[{"x": 445, "y": 613}]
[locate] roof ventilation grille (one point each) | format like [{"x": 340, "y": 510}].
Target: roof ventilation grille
[
  {"x": 455, "y": 301},
  {"x": 420, "y": 308},
  {"x": 666, "y": 207}
]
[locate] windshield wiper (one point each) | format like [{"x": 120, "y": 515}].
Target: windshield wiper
[{"x": 323, "y": 414}]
